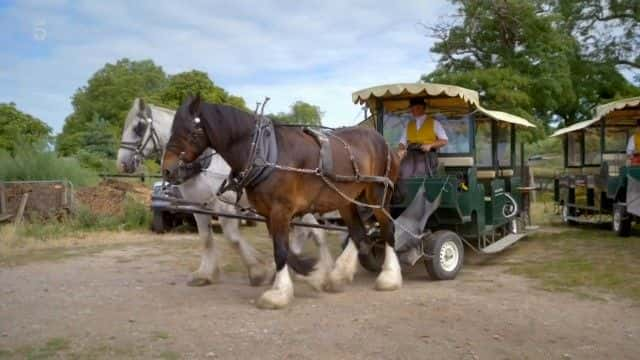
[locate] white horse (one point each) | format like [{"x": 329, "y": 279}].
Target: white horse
[{"x": 145, "y": 134}]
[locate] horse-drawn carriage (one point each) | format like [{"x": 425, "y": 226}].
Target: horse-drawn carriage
[
  {"x": 476, "y": 196},
  {"x": 598, "y": 185}
]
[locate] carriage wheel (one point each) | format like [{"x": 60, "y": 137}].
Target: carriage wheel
[
  {"x": 621, "y": 221},
  {"x": 159, "y": 224},
  {"x": 444, "y": 255}
]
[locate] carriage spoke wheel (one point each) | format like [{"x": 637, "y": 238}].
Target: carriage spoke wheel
[
  {"x": 444, "y": 255},
  {"x": 621, "y": 221}
]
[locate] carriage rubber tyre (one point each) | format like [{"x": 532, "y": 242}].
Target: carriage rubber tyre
[
  {"x": 444, "y": 255},
  {"x": 373, "y": 260},
  {"x": 621, "y": 221},
  {"x": 158, "y": 223}
]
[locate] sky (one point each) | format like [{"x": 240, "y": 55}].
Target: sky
[{"x": 315, "y": 51}]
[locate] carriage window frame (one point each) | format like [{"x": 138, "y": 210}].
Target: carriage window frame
[
  {"x": 580, "y": 149},
  {"x": 484, "y": 121},
  {"x": 605, "y": 150},
  {"x": 585, "y": 152}
]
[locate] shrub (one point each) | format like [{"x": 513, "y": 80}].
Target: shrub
[{"x": 39, "y": 163}]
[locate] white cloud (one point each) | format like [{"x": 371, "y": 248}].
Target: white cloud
[{"x": 315, "y": 51}]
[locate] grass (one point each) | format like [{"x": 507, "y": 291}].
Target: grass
[
  {"x": 136, "y": 216},
  {"x": 35, "y": 164},
  {"x": 588, "y": 262},
  {"x": 52, "y": 348}
]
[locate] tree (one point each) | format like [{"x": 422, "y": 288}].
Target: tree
[
  {"x": 185, "y": 84},
  {"x": 108, "y": 95},
  {"x": 301, "y": 113},
  {"x": 521, "y": 57},
  {"x": 609, "y": 30},
  {"x": 18, "y": 128}
]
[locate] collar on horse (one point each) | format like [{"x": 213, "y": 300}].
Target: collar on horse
[{"x": 262, "y": 153}]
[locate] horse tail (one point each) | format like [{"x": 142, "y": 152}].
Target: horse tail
[{"x": 301, "y": 264}]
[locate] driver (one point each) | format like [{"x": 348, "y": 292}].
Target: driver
[
  {"x": 633, "y": 147},
  {"x": 420, "y": 141}
]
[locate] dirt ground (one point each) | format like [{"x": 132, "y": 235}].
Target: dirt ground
[{"x": 131, "y": 301}]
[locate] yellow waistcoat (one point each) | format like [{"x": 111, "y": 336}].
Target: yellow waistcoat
[
  {"x": 636, "y": 140},
  {"x": 425, "y": 135}
]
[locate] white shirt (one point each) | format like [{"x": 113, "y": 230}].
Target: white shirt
[
  {"x": 631, "y": 145},
  {"x": 439, "y": 130}
]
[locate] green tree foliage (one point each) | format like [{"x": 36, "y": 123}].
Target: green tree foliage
[
  {"x": 609, "y": 30},
  {"x": 108, "y": 95},
  {"x": 100, "y": 107},
  {"x": 18, "y": 128},
  {"x": 522, "y": 57},
  {"x": 301, "y": 113},
  {"x": 183, "y": 85}
]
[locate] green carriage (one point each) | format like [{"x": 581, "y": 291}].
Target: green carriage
[
  {"x": 598, "y": 185},
  {"x": 477, "y": 196}
]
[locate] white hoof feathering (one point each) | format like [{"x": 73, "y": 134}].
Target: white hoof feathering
[
  {"x": 390, "y": 277},
  {"x": 318, "y": 277},
  {"x": 345, "y": 268},
  {"x": 281, "y": 294}
]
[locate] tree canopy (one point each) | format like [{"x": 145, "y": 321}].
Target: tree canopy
[
  {"x": 17, "y": 127},
  {"x": 301, "y": 113},
  {"x": 524, "y": 57},
  {"x": 103, "y": 103}
]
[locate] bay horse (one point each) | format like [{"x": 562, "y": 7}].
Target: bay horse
[
  {"x": 282, "y": 194},
  {"x": 145, "y": 134}
]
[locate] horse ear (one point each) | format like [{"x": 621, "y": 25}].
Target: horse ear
[
  {"x": 194, "y": 105},
  {"x": 141, "y": 104}
]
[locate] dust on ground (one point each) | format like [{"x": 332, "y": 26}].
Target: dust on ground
[{"x": 131, "y": 301}]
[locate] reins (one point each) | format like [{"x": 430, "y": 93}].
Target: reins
[{"x": 138, "y": 146}]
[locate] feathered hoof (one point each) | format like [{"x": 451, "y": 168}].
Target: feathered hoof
[
  {"x": 197, "y": 279},
  {"x": 274, "y": 299},
  {"x": 389, "y": 280}
]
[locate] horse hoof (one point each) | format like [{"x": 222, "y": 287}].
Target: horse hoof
[
  {"x": 198, "y": 282},
  {"x": 260, "y": 274},
  {"x": 274, "y": 299},
  {"x": 388, "y": 281},
  {"x": 334, "y": 285}
]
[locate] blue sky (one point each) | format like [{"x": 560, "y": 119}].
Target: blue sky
[{"x": 315, "y": 51}]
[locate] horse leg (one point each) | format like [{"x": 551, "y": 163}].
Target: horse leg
[
  {"x": 281, "y": 293},
  {"x": 347, "y": 263},
  {"x": 209, "y": 271},
  {"x": 390, "y": 277},
  {"x": 318, "y": 277},
  {"x": 258, "y": 271}
]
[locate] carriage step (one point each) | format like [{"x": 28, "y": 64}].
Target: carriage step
[{"x": 503, "y": 243}]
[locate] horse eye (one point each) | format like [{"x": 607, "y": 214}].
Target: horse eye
[{"x": 140, "y": 128}]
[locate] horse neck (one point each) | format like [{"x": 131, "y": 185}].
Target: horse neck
[
  {"x": 230, "y": 132},
  {"x": 162, "y": 122}
]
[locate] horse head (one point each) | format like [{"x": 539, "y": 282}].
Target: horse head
[
  {"x": 136, "y": 135},
  {"x": 188, "y": 138}
]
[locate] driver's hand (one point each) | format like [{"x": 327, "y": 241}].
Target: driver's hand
[
  {"x": 425, "y": 147},
  {"x": 402, "y": 152}
]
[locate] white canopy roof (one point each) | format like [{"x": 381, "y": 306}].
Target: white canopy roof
[
  {"x": 407, "y": 90},
  {"x": 601, "y": 112},
  {"x": 426, "y": 89}
]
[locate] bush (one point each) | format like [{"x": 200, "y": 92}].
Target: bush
[{"x": 39, "y": 163}]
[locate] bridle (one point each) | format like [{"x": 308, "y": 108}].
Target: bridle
[{"x": 139, "y": 145}]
